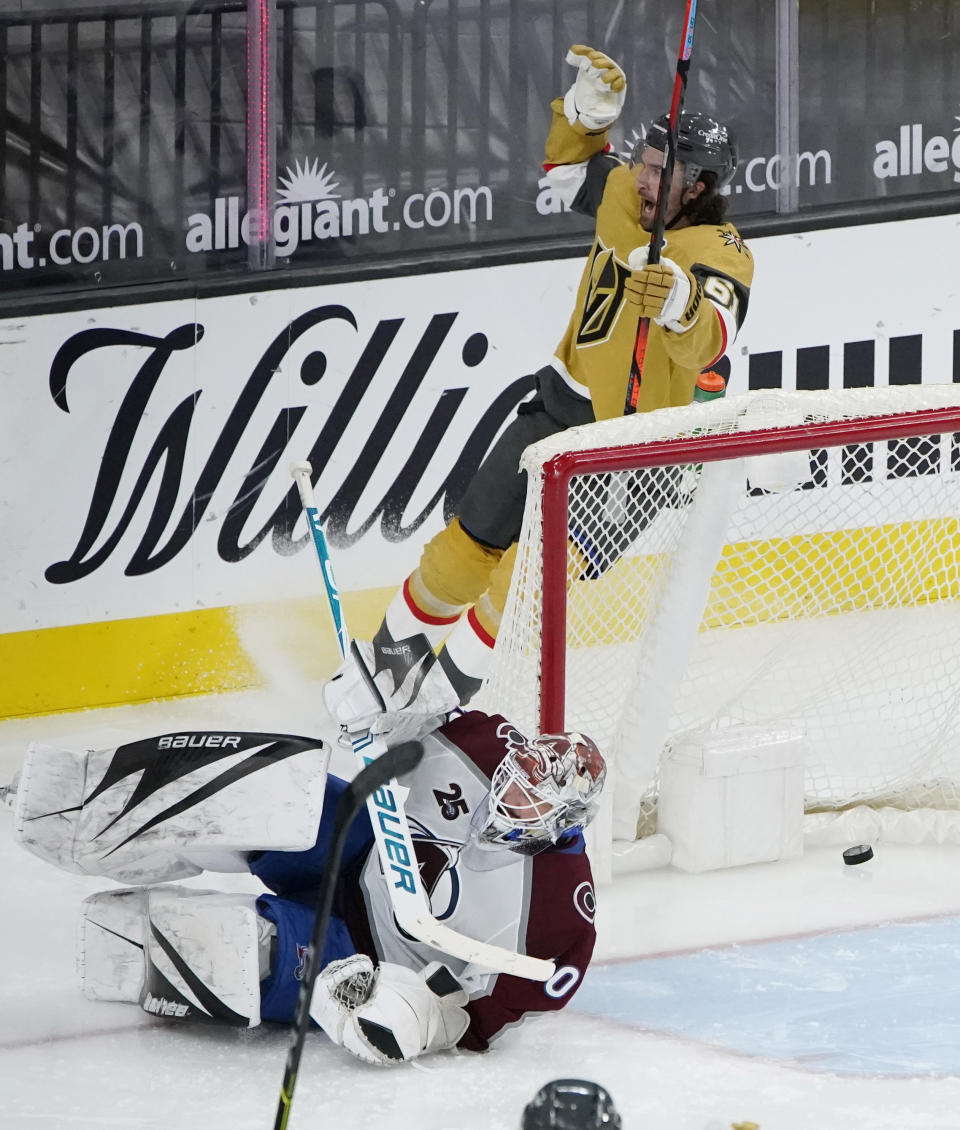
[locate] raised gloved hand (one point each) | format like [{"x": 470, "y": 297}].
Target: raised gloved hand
[
  {"x": 663, "y": 291},
  {"x": 390, "y": 1013},
  {"x": 596, "y": 97},
  {"x": 404, "y": 700}
]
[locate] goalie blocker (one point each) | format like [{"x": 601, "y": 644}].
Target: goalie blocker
[{"x": 498, "y": 825}]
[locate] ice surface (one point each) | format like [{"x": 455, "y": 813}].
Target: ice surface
[{"x": 773, "y": 993}]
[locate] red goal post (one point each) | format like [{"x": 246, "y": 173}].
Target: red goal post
[{"x": 781, "y": 559}]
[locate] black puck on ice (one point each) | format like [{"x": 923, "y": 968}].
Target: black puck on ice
[{"x": 860, "y": 853}]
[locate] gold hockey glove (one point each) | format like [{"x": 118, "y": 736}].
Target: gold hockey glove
[{"x": 664, "y": 292}]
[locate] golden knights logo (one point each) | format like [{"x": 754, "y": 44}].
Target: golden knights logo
[
  {"x": 604, "y": 296},
  {"x": 730, "y": 237}
]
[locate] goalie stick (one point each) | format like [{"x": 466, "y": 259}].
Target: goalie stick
[
  {"x": 393, "y": 763},
  {"x": 663, "y": 192},
  {"x": 394, "y": 842}
]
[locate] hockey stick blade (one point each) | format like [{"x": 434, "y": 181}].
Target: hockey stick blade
[
  {"x": 395, "y": 762},
  {"x": 495, "y": 958}
]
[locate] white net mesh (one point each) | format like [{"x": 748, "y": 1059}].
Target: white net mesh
[{"x": 816, "y": 592}]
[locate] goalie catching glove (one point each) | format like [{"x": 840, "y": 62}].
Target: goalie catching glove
[
  {"x": 596, "y": 98},
  {"x": 663, "y": 291},
  {"x": 390, "y": 1013}
]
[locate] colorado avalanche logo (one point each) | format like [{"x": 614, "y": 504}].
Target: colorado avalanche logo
[
  {"x": 438, "y": 869},
  {"x": 585, "y": 901},
  {"x": 511, "y": 737},
  {"x": 534, "y": 763}
]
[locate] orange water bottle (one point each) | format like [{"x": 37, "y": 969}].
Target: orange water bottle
[{"x": 710, "y": 385}]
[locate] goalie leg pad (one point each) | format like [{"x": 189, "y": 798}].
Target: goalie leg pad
[
  {"x": 110, "y": 945},
  {"x": 168, "y": 807},
  {"x": 47, "y": 804},
  {"x": 203, "y": 956}
]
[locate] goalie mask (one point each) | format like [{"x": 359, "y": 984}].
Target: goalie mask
[{"x": 542, "y": 789}]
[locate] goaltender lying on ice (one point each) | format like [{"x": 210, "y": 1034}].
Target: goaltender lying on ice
[{"x": 497, "y": 824}]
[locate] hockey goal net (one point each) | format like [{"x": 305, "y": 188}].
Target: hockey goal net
[{"x": 780, "y": 560}]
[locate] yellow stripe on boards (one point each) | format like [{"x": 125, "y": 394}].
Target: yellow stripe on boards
[
  {"x": 206, "y": 651},
  {"x": 820, "y": 574},
  {"x": 823, "y": 574},
  {"x": 120, "y": 661}
]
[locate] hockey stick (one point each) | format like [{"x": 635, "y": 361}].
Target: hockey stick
[
  {"x": 663, "y": 192},
  {"x": 394, "y": 842},
  {"x": 394, "y": 763}
]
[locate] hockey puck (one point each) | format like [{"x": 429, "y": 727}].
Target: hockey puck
[{"x": 860, "y": 853}]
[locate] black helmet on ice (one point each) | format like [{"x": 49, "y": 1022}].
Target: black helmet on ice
[{"x": 571, "y": 1104}]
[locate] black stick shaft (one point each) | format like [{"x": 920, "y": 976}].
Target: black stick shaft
[
  {"x": 663, "y": 192},
  {"x": 395, "y": 762}
]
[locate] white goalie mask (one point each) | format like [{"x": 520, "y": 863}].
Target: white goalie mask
[{"x": 543, "y": 788}]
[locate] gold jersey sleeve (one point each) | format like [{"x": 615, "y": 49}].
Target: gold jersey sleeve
[
  {"x": 569, "y": 144},
  {"x": 597, "y": 348}
]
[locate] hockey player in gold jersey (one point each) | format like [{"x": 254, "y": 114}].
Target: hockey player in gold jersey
[
  {"x": 702, "y": 255},
  {"x": 696, "y": 298}
]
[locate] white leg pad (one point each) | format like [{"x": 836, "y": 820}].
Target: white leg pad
[
  {"x": 168, "y": 807},
  {"x": 110, "y": 945},
  {"x": 46, "y": 806},
  {"x": 203, "y": 959}
]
